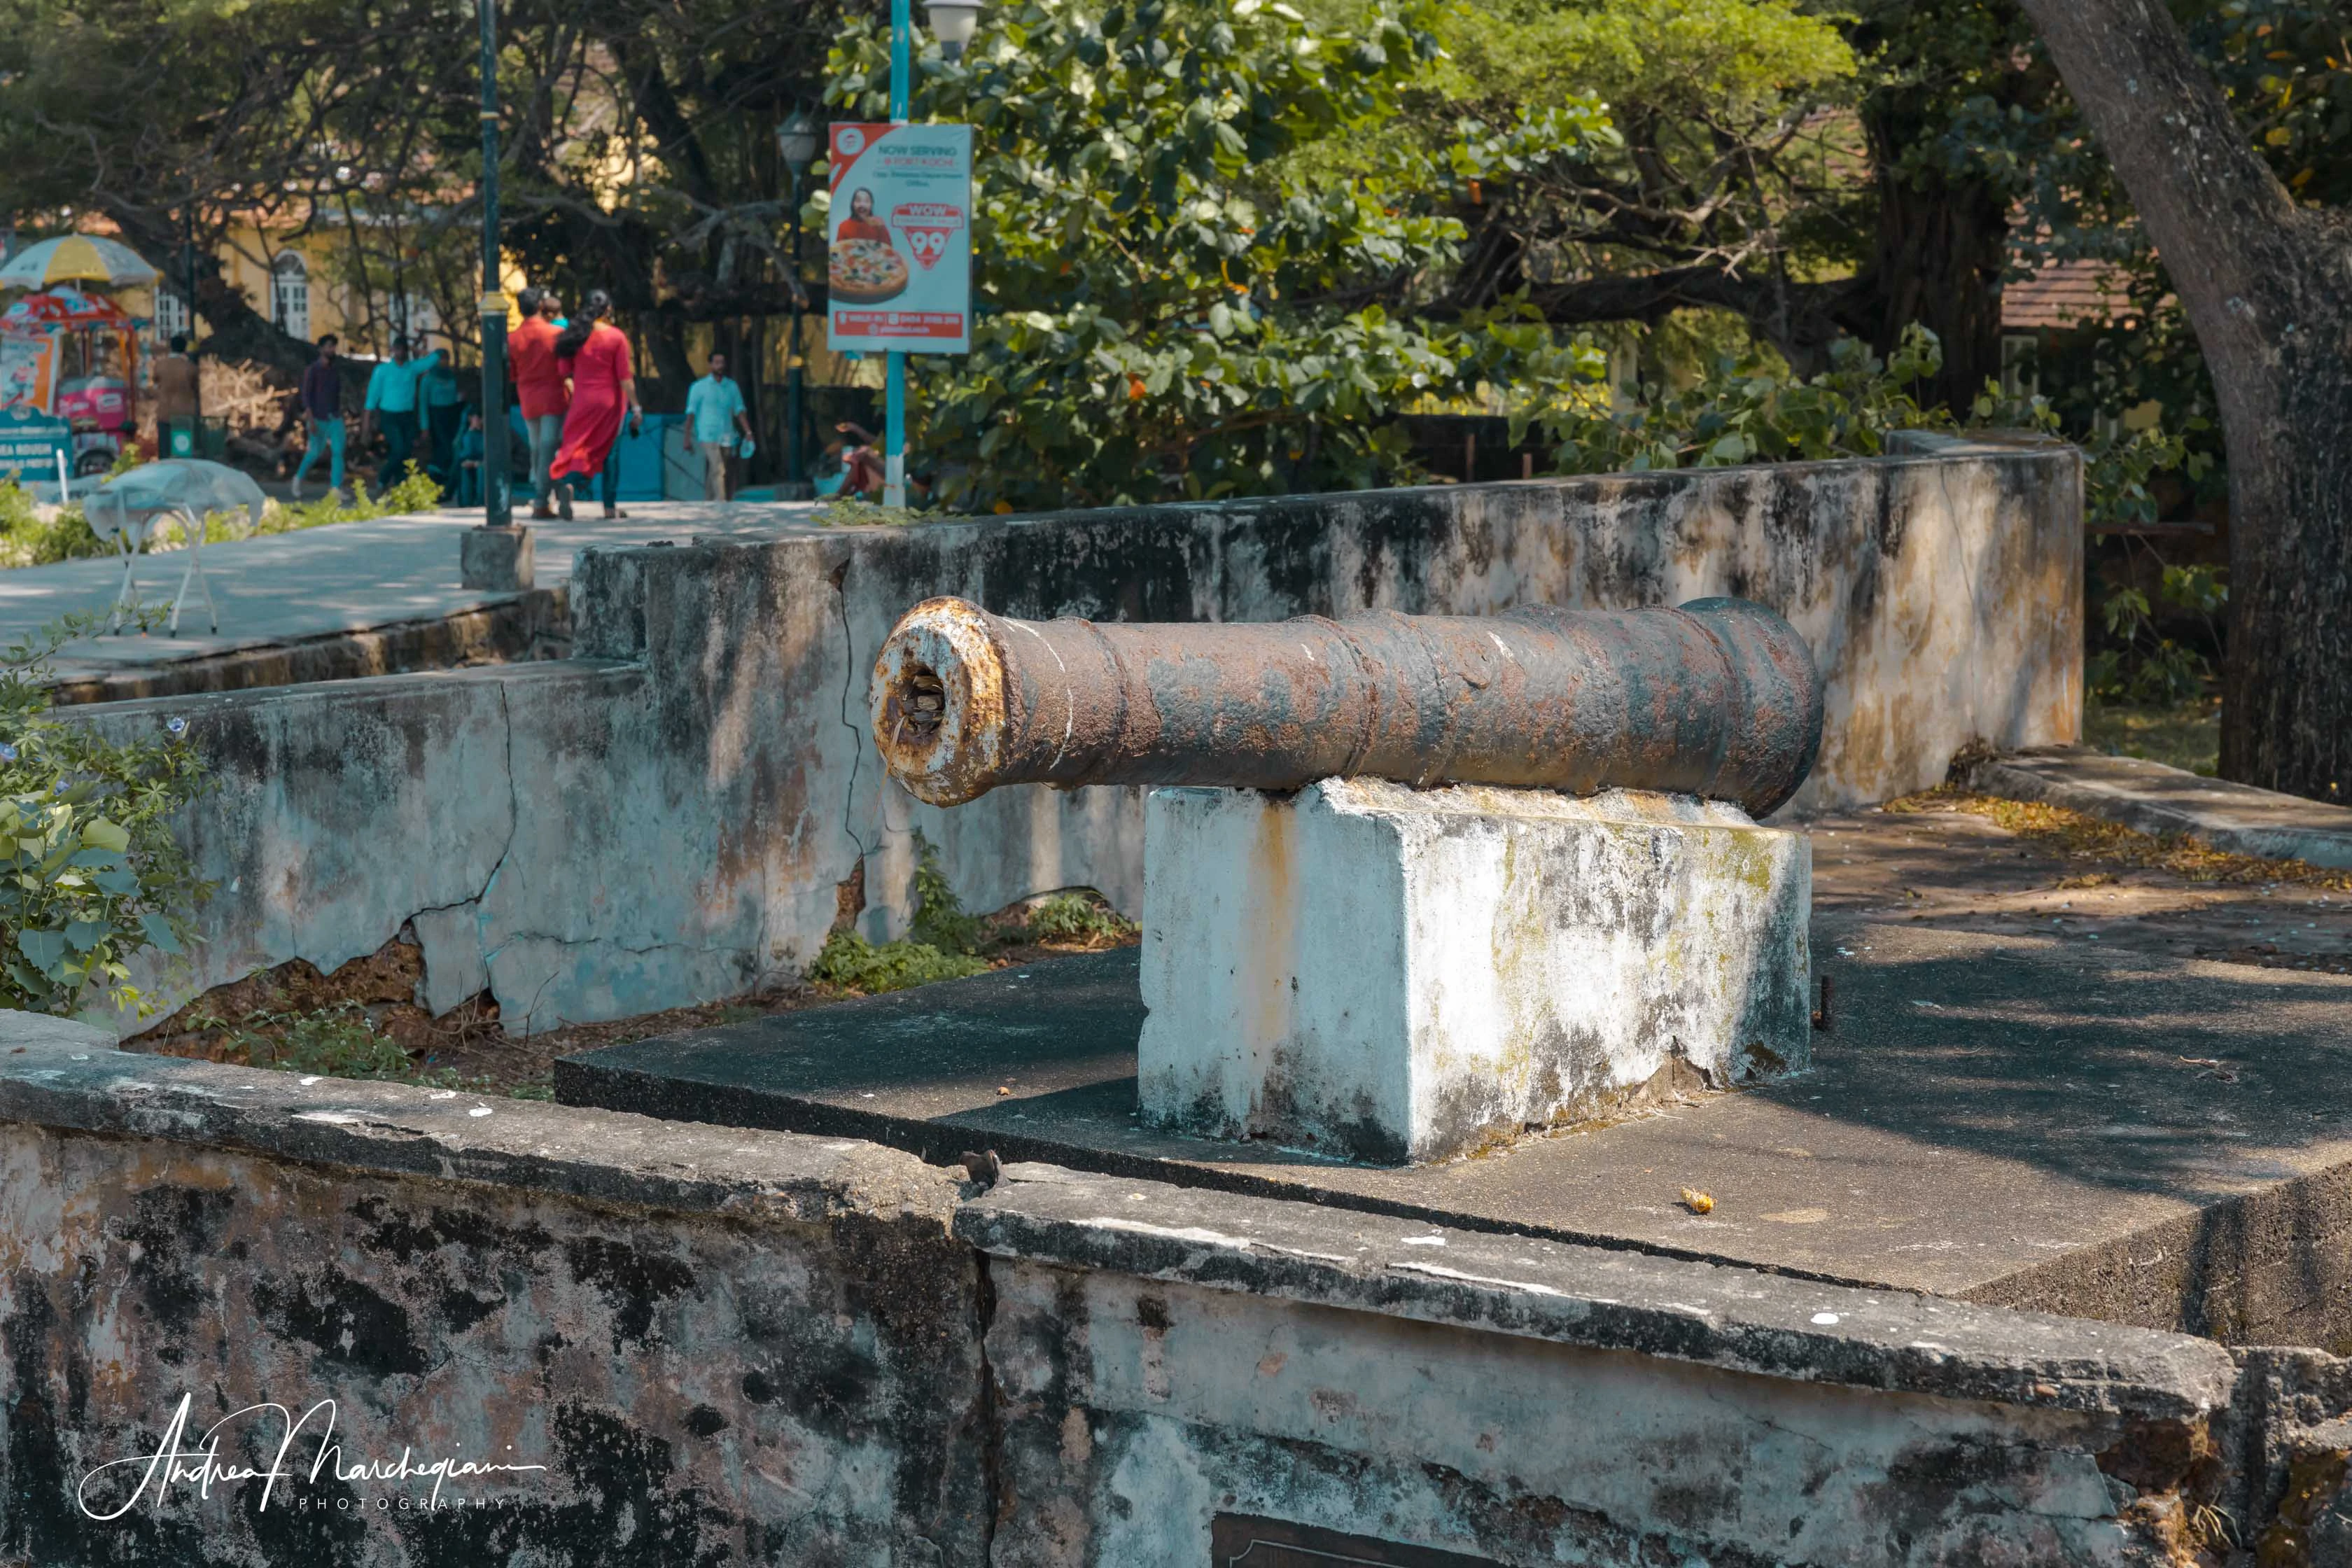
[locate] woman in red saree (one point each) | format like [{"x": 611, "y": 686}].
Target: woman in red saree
[{"x": 595, "y": 354}]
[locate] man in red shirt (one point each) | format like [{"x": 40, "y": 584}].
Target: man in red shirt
[{"x": 540, "y": 395}]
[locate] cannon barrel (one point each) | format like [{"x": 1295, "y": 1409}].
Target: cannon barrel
[{"x": 1718, "y": 698}]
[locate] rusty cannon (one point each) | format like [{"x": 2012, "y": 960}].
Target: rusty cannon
[{"x": 1717, "y": 699}]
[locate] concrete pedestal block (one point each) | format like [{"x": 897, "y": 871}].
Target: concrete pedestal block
[
  {"x": 496, "y": 559},
  {"x": 1395, "y": 975}
]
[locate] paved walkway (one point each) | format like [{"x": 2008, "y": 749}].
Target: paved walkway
[
  {"x": 345, "y": 577},
  {"x": 2154, "y": 798}
]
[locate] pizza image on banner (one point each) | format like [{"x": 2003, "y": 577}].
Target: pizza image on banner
[{"x": 899, "y": 271}]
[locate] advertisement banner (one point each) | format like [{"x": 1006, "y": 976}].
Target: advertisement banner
[
  {"x": 30, "y": 441},
  {"x": 900, "y": 245}
]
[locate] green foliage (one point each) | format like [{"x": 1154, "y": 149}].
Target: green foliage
[
  {"x": 1171, "y": 306},
  {"x": 29, "y": 540},
  {"x": 1747, "y": 411},
  {"x": 26, "y": 540},
  {"x": 340, "y": 1040},
  {"x": 417, "y": 492},
  {"x": 2140, "y": 666},
  {"x": 1744, "y": 411},
  {"x": 942, "y": 943},
  {"x": 1078, "y": 920},
  {"x": 90, "y": 873},
  {"x": 853, "y": 963},
  {"x": 336, "y": 1041},
  {"x": 941, "y": 919}
]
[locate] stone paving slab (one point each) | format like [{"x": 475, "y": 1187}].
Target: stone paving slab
[
  {"x": 2155, "y": 798},
  {"x": 2034, "y": 1095},
  {"x": 342, "y": 578}
]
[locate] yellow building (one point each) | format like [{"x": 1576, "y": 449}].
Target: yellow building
[{"x": 305, "y": 283}]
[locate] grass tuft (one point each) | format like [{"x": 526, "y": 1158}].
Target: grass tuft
[{"x": 2186, "y": 735}]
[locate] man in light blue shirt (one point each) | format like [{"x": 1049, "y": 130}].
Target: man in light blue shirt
[
  {"x": 391, "y": 399},
  {"x": 714, "y": 409}
]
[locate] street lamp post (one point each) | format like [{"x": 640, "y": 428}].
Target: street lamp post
[
  {"x": 188, "y": 281},
  {"x": 894, "y": 385},
  {"x": 498, "y": 508},
  {"x": 796, "y": 139}
]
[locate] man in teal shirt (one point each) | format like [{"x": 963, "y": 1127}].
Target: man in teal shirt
[
  {"x": 714, "y": 408},
  {"x": 442, "y": 412},
  {"x": 392, "y": 398}
]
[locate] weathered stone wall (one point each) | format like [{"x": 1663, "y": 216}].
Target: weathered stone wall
[
  {"x": 673, "y": 816},
  {"x": 1164, "y": 1359},
  {"x": 716, "y": 1349},
  {"x": 740, "y": 1346}
]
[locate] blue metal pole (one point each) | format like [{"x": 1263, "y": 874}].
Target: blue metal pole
[
  {"x": 894, "y": 438},
  {"x": 497, "y": 505}
]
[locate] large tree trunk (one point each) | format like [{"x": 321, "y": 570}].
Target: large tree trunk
[
  {"x": 2268, "y": 286},
  {"x": 1941, "y": 247}
]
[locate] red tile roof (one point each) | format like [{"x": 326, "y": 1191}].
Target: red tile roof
[{"x": 2064, "y": 294}]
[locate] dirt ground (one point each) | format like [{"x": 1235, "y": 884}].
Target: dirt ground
[{"x": 1945, "y": 857}]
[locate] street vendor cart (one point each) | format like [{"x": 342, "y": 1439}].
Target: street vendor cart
[{"x": 71, "y": 353}]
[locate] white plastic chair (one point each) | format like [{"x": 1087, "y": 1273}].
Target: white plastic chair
[{"x": 126, "y": 509}]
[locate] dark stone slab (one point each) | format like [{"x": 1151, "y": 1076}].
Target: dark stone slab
[
  {"x": 916, "y": 1069},
  {"x": 2032, "y": 1122}
]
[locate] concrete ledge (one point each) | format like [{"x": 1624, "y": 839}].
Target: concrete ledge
[
  {"x": 531, "y": 625},
  {"x": 2154, "y": 798},
  {"x": 1729, "y": 1318},
  {"x": 27, "y": 1030},
  {"x": 401, "y": 1129}
]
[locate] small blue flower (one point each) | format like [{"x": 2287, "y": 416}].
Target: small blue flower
[
  {"x": 177, "y": 725},
  {"x": 59, "y": 788},
  {"x": 7, "y": 753}
]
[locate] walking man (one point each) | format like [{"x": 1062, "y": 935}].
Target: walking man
[
  {"x": 714, "y": 406},
  {"x": 540, "y": 393},
  {"x": 392, "y": 397},
  {"x": 175, "y": 401},
  {"x": 322, "y": 406},
  {"x": 443, "y": 410}
]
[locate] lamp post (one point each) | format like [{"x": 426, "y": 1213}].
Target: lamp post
[
  {"x": 188, "y": 279},
  {"x": 497, "y": 510},
  {"x": 796, "y": 139},
  {"x": 894, "y": 382}
]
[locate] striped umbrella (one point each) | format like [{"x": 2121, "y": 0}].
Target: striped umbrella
[{"x": 76, "y": 258}]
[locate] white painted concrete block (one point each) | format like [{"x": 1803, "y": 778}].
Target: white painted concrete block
[{"x": 1397, "y": 975}]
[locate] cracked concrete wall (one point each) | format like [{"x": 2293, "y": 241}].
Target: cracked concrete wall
[
  {"x": 777, "y": 1364},
  {"x": 1126, "y": 1439},
  {"x": 727, "y": 1344},
  {"x": 672, "y": 816}
]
